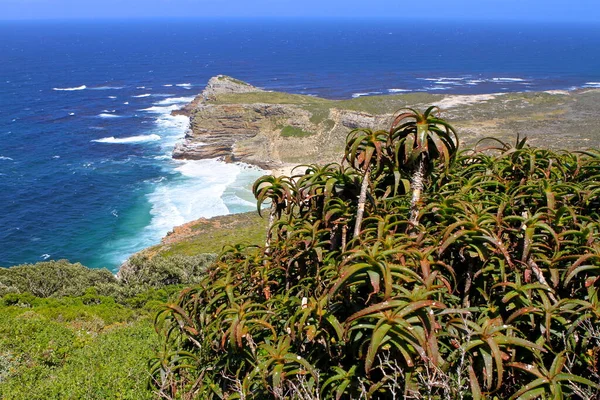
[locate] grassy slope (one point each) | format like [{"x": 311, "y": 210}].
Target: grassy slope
[
  {"x": 211, "y": 235},
  {"x": 65, "y": 349}
]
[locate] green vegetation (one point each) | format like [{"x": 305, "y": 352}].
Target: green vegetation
[
  {"x": 210, "y": 236},
  {"x": 294, "y": 131},
  {"x": 55, "y": 278},
  {"x": 229, "y": 78},
  {"x": 69, "y": 332},
  {"x": 486, "y": 285},
  {"x": 76, "y": 347}
]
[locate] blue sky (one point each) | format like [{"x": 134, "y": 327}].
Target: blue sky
[{"x": 544, "y": 10}]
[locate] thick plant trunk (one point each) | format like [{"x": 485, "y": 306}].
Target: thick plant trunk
[
  {"x": 416, "y": 185},
  {"x": 271, "y": 222},
  {"x": 362, "y": 198}
]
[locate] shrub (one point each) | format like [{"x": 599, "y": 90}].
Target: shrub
[
  {"x": 485, "y": 284},
  {"x": 145, "y": 271},
  {"x": 54, "y": 278}
]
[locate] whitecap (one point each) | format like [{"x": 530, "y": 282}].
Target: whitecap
[
  {"x": 160, "y": 110},
  {"x": 112, "y": 97},
  {"x": 184, "y": 85},
  {"x": 437, "y": 88},
  {"x": 141, "y": 87},
  {"x": 142, "y": 95},
  {"x": 175, "y": 100},
  {"x": 398, "y": 90},
  {"x": 71, "y": 113},
  {"x": 70, "y": 89},
  {"x": 107, "y": 88},
  {"x": 355, "y": 95},
  {"x": 106, "y": 115},
  {"x": 126, "y": 103},
  {"x": 592, "y": 84},
  {"x": 449, "y": 82},
  {"x": 504, "y": 80},
  {"x": 132, "y": 139},
  {"x": 6, "y": 158},
  {"x": 167, "y": 85},
  {"x": 45, "y": 256}
]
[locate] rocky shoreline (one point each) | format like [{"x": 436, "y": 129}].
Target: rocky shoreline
[{"x": 237, "y": 122}]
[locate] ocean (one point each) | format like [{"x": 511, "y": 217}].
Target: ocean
[{"x": 86, "y": 131}]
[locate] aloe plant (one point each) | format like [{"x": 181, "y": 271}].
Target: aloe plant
[
  {"x": 496, "y": 294},
  {"x": 419, "y": 139}
]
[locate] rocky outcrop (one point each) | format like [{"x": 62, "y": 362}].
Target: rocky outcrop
[
  {"x": 262, "y": 131},
  {"x": 222, "y": 84},
  {"x": 236, "y": 121}
]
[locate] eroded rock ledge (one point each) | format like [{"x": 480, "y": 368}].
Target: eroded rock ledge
[{"x": 236, "y": 121}]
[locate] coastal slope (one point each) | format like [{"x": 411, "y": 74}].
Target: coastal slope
[{"x": 236, "y": 121}]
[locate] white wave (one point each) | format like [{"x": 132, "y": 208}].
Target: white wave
[
  {"x": 106, "y": 115},
  {"x": 141, "y": 87},
  {"x": 168, "y": 85},
  {"x": 398, "y": 90},
  {"x": 443, "y": 79},
  {"x": 355, "y": 95},
  {"x": 142, "y": 95},
  {"x": 175, "y": 100},
  {"x": 437, "y": 88},
  {"x": 107, "y": 88},
  {"x": 45, "y": 256},
  {"x": 132, "y": 139},
  {"x": 126, "y": 103},
  {"x": 112, "y": 97},
  {"x": 71, "y": 113},
  {"x": 185, "y": 85},
  {"x": 449, "y": 82},
  {"x": 6, "y": 158},
  {"x": 508, "y": 80},
  {"x": 592, "y": 84},
  {"x": 70, "y": 89},
  {"x": 161, "y": 110}
]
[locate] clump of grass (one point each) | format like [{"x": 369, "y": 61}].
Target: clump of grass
[{"x": 294, "y": 131}]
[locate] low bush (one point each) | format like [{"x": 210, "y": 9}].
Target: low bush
[
  {"x": 55, "y": 278},
  {"x": 141, "y": 270}
]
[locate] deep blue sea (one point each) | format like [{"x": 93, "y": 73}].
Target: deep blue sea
[{"x": 86, "y": 131}]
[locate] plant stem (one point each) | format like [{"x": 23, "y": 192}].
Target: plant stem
[
  {"x": 417, "y": 188},
  {"x": 362, "y": 198},
  {"x": 271, "y": 222}
]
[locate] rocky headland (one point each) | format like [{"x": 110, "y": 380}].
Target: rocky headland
[{"x": 236, "y": 121}]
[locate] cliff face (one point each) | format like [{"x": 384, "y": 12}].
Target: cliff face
[{"x": 236, "y": 121}]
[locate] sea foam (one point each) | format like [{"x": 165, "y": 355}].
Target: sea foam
[
  {"x": 70, "y": 89},
  {"x": 132, "y": 139}
]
